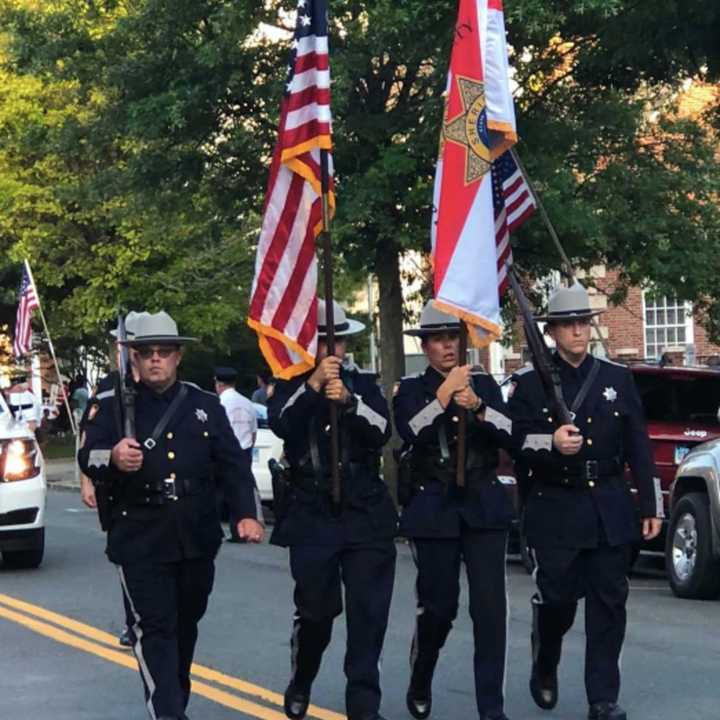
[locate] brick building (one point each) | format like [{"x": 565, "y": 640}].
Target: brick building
[{"x": 643, "y": 327}]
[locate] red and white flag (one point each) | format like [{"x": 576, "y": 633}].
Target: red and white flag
[
  {"x": 283, "y": 305},
  {"x": 479, "y": 126},
  {"x": 27, "y": 302}
]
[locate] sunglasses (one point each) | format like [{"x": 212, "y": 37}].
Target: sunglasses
[{"x": 165, "y": 351}]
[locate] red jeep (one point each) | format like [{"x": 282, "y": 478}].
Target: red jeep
[{"x": 681, "y": 406}]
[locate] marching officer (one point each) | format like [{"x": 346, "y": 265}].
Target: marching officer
[
  {"x": 330, "y": 545},
  {"x": 448, "y": 524},
  {"x": 164, "y": 531},
  {"x": 580, "y": 517}
]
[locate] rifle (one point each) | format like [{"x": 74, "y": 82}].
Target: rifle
[
  {"x": 127, "y": 391},
  {"x": 540, "y": 354}
]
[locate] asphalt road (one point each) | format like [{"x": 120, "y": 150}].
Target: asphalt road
[{"x": 57, "y": 660}]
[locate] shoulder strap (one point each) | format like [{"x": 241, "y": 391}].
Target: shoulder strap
[
  {"x": 151, "y": 442},
  {"x": 585, "y": 389}
]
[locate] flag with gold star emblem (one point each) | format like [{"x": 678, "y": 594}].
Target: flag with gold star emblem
[{"x": 478, "y": 127}]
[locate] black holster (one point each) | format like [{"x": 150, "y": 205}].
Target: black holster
[
  {"x": 280, "y": 475},
  {"x": 104, "y": 499}
]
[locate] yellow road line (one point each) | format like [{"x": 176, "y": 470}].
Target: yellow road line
[
  {"x": 124, "y": 659},
  {"x": 219, "y": 696}
]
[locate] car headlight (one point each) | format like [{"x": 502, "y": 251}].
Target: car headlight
[{"x": 19, "y": 460}]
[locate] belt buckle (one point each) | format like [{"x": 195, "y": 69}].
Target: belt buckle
[
  {"x": 591, "y": 470},
  {"x": 169, "y": 489}
]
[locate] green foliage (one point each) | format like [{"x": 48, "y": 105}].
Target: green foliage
[{"x": 135, "y": 137}]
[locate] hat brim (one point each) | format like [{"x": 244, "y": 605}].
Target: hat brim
[
  {"x": 426, "y": 332},
  {"x": 353, "y": 328},
  {"x": 158, "y": 340},
  {"x": 568, "y": 316}
]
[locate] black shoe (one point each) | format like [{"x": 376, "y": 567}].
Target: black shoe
[
  {"x": 124, "y": 639},
  {"x": 606, "y": 711},
  {"x": 296, "y": 702},
  {"x": 544, "y": 689},
  {"x": 419, "y": 703},
  {"x": 366, "y": 716},
  {"x": 501, "y": 716}
]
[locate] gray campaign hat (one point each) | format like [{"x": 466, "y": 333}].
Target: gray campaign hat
[
  {"x": 568, "y": 304},
  {"x": 434, "y": 321},
  {"x": 157, "y": 329},
  {"x": 131, "y": 320},
  {"x": 342, "y": 323}
]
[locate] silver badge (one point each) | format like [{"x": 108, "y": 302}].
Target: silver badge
[
  {"x": 610, "y": 394},
  {"x": 201, "y": 415}
]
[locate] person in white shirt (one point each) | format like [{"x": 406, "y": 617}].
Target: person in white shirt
[{"x": 239, "y": 409}]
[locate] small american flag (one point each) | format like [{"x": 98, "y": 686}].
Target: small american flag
[
  {"x": 27, "y": 302},
  {"x": 283, "y": 305},
  {"x": 514, "y": 204}
]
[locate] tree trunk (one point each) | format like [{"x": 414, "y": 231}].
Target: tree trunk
[{"x": 392, "y": 356}]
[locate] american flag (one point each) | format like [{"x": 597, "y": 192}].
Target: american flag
[
  {"x": 27, "y": 302},
  {"x": 283, "y": 305},
  {"x": 514, "y": 204}
]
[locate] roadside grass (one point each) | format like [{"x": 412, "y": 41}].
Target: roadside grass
[{"x": 60, "y": 447}]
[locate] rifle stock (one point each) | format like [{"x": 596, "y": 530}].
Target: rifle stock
[{"x": 540, "y": 354}]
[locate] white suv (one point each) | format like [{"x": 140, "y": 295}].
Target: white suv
[{"x": 23, "y": 491}]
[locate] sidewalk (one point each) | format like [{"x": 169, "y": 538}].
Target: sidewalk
[{"x": 61, "y": 474}]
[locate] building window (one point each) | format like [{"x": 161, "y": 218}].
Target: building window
[{"x": 668, "y": 324}]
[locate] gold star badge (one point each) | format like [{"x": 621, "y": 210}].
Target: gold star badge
[{"x": 469, "y": 129}]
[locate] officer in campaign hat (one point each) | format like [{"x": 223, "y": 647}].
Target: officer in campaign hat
[
  {"x": 580, "y": 517},
  {"x": 164, "y": 531},
  {"x": 447, "y": 524},
  {"x": 331, "y": 545}
]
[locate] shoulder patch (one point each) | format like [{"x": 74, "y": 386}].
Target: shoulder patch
[
  {"x": 524, "y": 370},
  {"x": 612, "y": 362},
  {"x": 104, "y": 394},
  {"x": 198, "y": 388},
  {"x": 411, "y": 377}
]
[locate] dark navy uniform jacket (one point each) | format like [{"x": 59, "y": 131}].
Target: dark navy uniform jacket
[
  {"x": 566, "y": 504},
  {"x": 197, "y": 449},
  {"x": 437, "y": 509},
  {"x": 300, "y": 416}
]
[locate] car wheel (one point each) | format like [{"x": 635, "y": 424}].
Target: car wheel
[
  {"x": 21, "y": 559},
  {"x": 692, "y": 569}
]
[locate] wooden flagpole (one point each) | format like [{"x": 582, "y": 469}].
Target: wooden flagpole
[
  {"x": 330, "y": 319},
  {"x": 569, "y": 271},
  {"x": 462, "y": 419},
  {"x": 52, "y": 350}
]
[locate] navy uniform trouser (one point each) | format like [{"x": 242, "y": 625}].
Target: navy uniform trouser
[
  {"x": 563, "y": 576},
  {"x": 438, "y": 588},
  {"x": 367, "y": 571},
  {"x": 164, "y": 603}
]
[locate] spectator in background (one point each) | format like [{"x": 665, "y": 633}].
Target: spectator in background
[
  {"x": 79, "y": 397},
  {"x": 243, "y": 420},
  {"x": 240, "y": 410},
  {"x": 265, "y": 387}
]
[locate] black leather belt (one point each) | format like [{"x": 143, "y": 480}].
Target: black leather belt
[
  {"x": 585, "y": 474},
  {"x": 161, "y": 492}
]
